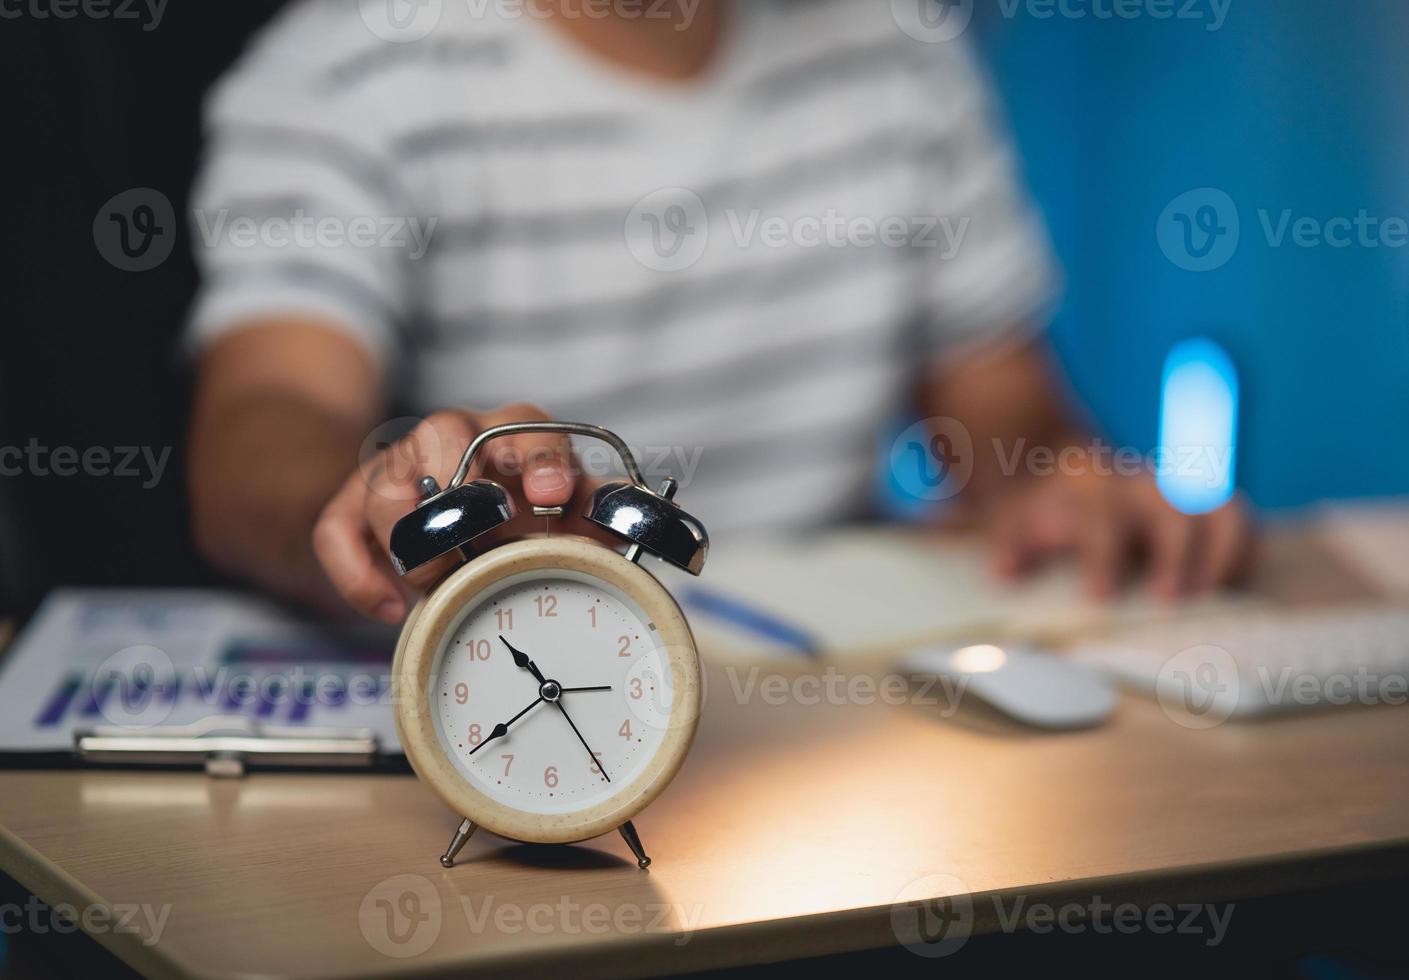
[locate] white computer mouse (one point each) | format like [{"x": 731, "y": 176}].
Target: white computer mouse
[{"x": 1031, "y": 686}]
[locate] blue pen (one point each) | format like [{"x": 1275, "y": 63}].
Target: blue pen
[{"x": 756, "y": 621}]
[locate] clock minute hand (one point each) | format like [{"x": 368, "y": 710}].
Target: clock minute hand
[
  {"x": 522, "y": 660},
  {"x": 502, "y": 729}
]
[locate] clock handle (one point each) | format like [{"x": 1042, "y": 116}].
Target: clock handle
[{"x": 628, "y": 458}]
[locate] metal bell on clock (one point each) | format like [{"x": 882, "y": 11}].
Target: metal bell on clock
[
  {"x": 448, "y": 520},
  {"x": 650, "y": 522}
]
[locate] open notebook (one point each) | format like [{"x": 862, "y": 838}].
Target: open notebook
[{"x": 856, "y": 594}]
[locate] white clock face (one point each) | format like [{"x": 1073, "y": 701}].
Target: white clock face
[{"x": 580, "y": 720}]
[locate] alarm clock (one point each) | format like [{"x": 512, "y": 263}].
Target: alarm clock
[{"x": 548, "y": 688}]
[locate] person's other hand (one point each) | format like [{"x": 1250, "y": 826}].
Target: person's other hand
[
  {"x": 352, "y": 536},
  {"x": 1110, "y": 521}
]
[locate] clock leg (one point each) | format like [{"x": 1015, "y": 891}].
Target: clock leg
[
  {"x": 462, "y": 834},
  {"x": 633, "y": 841}
]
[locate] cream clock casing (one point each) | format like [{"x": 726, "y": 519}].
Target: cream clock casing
[{"x": 548, "y": 690}]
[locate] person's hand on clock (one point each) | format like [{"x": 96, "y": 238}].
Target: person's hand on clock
[{"x": 352, "y": 534}]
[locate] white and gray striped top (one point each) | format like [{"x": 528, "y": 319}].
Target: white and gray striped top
[{"x": 747, "y": 270}]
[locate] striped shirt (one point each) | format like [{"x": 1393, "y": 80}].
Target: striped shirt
[{"x": 743, "y": 275}]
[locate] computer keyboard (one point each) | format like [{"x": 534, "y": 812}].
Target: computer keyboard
[{"x": 1256, "y": 663}]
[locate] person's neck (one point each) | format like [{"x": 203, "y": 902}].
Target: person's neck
[{"x": 677, "y": 43}]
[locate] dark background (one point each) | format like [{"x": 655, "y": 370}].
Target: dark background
[
  {"x": 1288, "y": 105},
  {"x": 97, "y": 107}
]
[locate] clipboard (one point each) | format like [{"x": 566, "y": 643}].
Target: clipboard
[
  {"x": 195, "y": 679},
  {"x": 228, "y": 747}
]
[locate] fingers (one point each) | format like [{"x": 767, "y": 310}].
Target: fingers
[
  {"x": 1007, "y": 532},
  {"x": 542, "y": 462},
  {"x": 432, "y": 449},
  {"x": 1099, "y": 521},
  {"x": 352, "y": 536},
  {"x": 543, "y": 459},
  {"x": 1225, "y": 539},
  {"x": 1172, "y": 537},
  {"x": 344, "y": 545},
  {"x": 1101, "y": 551},
  {"x": 1194, "y": 554},
  {"x": 1032, "y": 527}
]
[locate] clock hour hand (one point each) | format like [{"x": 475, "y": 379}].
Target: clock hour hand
[
  {"x": 502, "y": 729},
  {"x": 522, "y": 660}
]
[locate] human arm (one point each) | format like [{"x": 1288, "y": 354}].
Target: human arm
[{"x": 285, "y": 490}]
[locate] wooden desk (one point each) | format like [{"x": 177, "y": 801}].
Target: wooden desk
[{"x": 791, "y": 832}]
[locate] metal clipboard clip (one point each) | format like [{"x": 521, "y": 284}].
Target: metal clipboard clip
[{"x": 226, "y": 746}]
